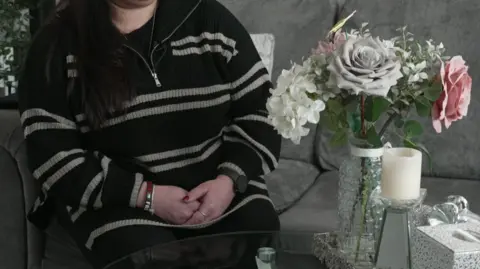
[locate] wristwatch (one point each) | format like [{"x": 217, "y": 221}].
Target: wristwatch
[{"x": 240, "y": 182}]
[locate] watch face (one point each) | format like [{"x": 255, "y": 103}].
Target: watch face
[{"x": 242, "y": 184}]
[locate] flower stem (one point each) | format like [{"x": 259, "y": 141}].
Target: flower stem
[
  {"x": 365, "y": 194},
  {"x": 362, "y": 111},
  {"x": 387, "y": 124}
]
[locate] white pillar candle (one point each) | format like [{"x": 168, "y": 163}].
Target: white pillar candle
[{"x": 401, "y": 173}]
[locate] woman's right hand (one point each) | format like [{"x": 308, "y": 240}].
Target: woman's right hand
[{"x": 169, "y": 204}]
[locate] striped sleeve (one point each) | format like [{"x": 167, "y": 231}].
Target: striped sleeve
[
  {"x": 252, "y": 146},
  {"x": 79, "y": 178}
]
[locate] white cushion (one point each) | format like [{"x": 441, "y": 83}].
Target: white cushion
[{"x": 265, "y": 44}]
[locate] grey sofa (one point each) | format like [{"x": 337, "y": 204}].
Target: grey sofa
[{"x": 304, "y": 187}]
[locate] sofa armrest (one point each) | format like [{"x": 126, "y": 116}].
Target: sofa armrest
[{"x": 21, "y": 244}]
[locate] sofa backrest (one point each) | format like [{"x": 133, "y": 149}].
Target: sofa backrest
[
  {"x": 297, "y": 26},
  {"x": 456, "y": 151}
]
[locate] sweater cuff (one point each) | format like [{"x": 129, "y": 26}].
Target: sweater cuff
[
  {"x": 136, "y": 190},
  {"x": 230, "y": 168}
]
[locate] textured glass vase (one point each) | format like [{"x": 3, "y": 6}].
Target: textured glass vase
[{"x": 359, "y": 214}]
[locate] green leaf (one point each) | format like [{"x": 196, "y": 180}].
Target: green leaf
[
  {"x": 335, "y": 106},
  {"x": 374, "y": 107},
  {"x": 424, "y": 106},
  {"x": 330, "y": 121},
  {"x": 343, "y": 120},
  {"x": 340, "y": 138},
  {"x": 405, "y": 101},
  {"x": 412, "y": 128},
  {"x": 410, "y": 144},
  {"x": 312, "y": 95},
  {"x": 354, "y": 122},
  {"x": 433, "y": 92},
  {"x": 353, "y": 105},
  {"x": 368, "y": 108},
  {"x": 373, "y": 138}
]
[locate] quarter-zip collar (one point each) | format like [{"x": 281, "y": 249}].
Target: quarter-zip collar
[
  {"x": 168, "y": 18},
  {"x": 171, "y": 15}
]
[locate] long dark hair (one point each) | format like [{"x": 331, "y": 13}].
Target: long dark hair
[{"x": 97, "y": 44}]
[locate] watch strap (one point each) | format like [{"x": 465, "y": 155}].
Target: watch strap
[
  {"x": 239, "y": 180},
  {"x": 229, "y": 173}
]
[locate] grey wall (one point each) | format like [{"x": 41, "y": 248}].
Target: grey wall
[{"x": 296, "y": 24}]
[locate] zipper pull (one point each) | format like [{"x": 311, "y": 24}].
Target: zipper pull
[{"x": 157, "y": 81}]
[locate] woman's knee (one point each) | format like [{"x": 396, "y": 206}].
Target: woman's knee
[{"x": 258, "y": 215}]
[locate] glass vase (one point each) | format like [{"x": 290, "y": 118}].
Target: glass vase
[{"x": 359, "y": 213}]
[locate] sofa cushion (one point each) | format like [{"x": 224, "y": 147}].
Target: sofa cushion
[
  {"x": 297, "y": 26},
  {"x": 265, "y": 45},
  {"x": 289, "y": 182},
  {"x": 439, "y": 188},
  {"x": 317, "y": 210},
  {"x": 455, "y": 151}
]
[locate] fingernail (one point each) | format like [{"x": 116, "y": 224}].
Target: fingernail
[{"x": 186, "y": 198}]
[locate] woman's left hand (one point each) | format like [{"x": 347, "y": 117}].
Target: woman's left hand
[{"x": 214, "y": 196}]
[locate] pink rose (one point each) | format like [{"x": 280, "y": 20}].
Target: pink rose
[
  {"x": 453, "y": 103},
  {"x": 329, "y": 47}
]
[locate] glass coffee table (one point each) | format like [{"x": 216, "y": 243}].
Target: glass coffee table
[{"x": 235, "y": 250}]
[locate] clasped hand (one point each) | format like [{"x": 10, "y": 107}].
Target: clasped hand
[{"x": 205, "y": 203}]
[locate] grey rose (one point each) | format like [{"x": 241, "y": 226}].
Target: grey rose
[{"x": 365, "y": 65}]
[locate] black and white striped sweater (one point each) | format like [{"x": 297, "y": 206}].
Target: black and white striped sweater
[{"x": 200, "y": 105}]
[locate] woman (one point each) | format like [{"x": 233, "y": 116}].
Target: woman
[{"x": 145, "y": 123}]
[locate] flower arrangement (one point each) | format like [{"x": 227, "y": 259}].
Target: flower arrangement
[
  {"x": 360, "y": 86},
  {"x": 355, "y": 83}
]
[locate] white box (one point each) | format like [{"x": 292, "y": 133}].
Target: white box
[{"x": 438, "y": 247}]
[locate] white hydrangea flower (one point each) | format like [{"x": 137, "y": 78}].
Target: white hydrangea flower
[
  {"x": 302, "y": 84},
  {"x": 317, "y": 64},
  {"x": 290, "y": 107}
]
